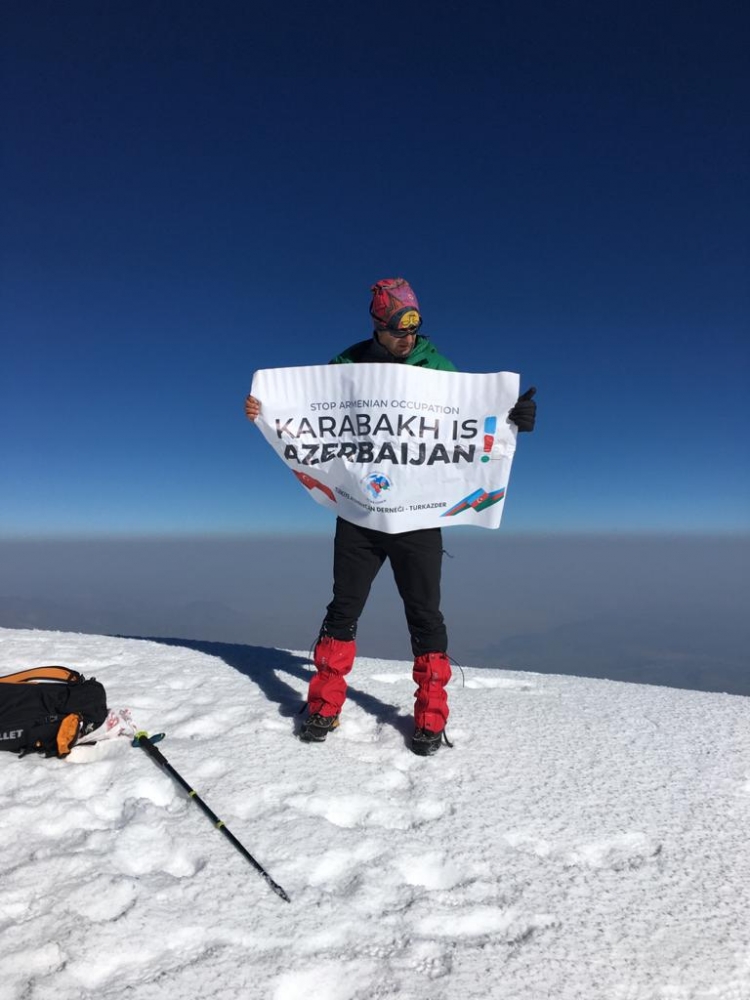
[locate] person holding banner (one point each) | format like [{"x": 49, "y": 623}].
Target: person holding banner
[{"x": 415, "y": 556}]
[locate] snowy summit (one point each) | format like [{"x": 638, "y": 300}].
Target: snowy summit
[{"x": 583, "y": 838}]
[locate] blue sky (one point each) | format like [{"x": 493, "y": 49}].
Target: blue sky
[{"x": 191, "y": 192}]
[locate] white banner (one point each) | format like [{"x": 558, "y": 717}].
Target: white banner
[{"x": 394, "y": 447}]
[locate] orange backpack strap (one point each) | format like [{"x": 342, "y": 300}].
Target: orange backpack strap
[
  {"x": 52, "y": 673},
  {"x": 68, "y": 733}
]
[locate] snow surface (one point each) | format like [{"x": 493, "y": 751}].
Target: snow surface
[{"x": 584, "y": 838}]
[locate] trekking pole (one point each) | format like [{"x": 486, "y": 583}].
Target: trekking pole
[{"x": 146, "y": 742}]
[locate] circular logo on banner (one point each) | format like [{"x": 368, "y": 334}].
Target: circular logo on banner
[{"x": 375, "y": 486}]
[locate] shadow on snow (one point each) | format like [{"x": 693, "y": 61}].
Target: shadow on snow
[{"x": 266, "y": 667}]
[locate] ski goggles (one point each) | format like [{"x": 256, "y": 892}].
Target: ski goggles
[{"x": 404, "y": 323}]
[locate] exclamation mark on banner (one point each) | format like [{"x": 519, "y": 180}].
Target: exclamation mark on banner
[{"x": 490, "y": 426}]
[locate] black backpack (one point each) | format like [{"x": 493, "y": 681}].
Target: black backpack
[{"x": 48, "y": 709}]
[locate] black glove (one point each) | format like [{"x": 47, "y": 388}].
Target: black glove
[{"x": 523, "y": 413}]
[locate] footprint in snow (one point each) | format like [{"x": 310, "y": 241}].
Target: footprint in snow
[
  {"x": 336, "y": 865},
  {"x": 106, "y": 898},
  {"x": 619, "y": 853},
  {"x": 528, "y": 844},
  {"x": 138, "y": 960},
  {"x": 344, "y": 980},
  {"x": 350, "y": 811},
  {"x": 146, "y": 846},
  {"x": 505, "y": 683},
  {"x": 430, "y": 870},
  {"x": 506, "y": 925}
]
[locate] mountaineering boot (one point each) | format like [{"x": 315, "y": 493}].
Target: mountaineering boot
[
  {"x": 317, "y": 727},
  {"x": 431, "y": 673},
  {"x": 333, "y": 659},
  {"x": 424, "y": 743}
]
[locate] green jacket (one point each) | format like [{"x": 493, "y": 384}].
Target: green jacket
[{"x": 424, "y": 355}]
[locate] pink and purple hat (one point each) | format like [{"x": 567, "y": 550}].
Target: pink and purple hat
[{"x": 394, "y": 306}]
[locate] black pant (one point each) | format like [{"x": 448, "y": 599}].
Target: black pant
[{"x": 416, "y": 559}]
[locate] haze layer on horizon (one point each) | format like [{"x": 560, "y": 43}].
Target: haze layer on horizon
[{"x": 669, "y": 610}]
